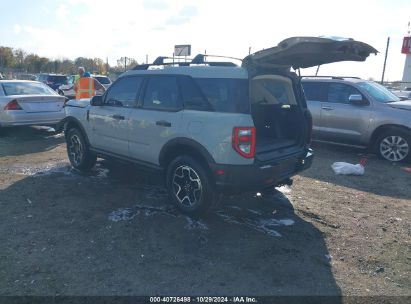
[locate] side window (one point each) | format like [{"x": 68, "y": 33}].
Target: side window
[
  {"x": 313, "y": 90},
  {"x": 124, "y": 92},
  {"x": 193, "y": 98},
  {"x": 340, "y": 92},
  {"x": 162, "y": 94}
]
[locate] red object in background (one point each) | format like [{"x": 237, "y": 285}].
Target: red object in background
[
  {"x": 406, "y": 45},
  {"x": 363, "y": 161},
  {"x": 407, "y": 169}
]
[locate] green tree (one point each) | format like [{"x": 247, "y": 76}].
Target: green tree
[{"x": 7, "y": 59}]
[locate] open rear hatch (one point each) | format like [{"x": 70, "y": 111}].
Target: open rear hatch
[
  {"x": 305, "y": 52},
  {"x": 278, "y": 107}
]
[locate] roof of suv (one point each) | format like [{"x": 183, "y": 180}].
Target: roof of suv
[
  {"x": 202, "y": 71},
  {"x": 332, "y": 79}
]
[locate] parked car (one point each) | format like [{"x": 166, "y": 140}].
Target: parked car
[
  {"x": 403, "y": 94},
  {"x": 211, "y": 127},
  {"x": 54, "y": 81},
  {"x": 358, "y": 112},
  {"x": 25, "y": 102},
  {"x": 68, "y": 89},
  {"x": 104, "y": 80}
]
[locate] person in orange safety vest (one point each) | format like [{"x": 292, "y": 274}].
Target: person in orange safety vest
[{"x": 86, "y": 86}]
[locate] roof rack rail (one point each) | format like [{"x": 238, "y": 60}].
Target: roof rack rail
[
  {"x": 332, "y": 77},
  {"x": 198, "y": 59}
]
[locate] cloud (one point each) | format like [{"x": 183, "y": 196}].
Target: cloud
[
  {"x": 155, "y": 4},
  {"x": 62, "y": 12},
  {"x": 183, "y": 16},
  {"x": 17, "y": 29}
]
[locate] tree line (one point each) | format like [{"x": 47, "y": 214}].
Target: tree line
[{"x": 19, "y": 60}]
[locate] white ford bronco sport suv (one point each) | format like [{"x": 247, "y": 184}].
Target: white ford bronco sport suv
[{"x": 210, "y": 127}]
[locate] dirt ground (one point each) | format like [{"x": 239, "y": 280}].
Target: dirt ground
[{"x": 113, "y": 232}]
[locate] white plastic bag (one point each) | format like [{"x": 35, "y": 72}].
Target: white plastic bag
[{"x": 347, "y": 168}]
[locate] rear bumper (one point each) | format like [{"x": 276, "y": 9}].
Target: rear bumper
[
  {"x": 27, "y": 119},
  {"x": 242, "y": 178}
]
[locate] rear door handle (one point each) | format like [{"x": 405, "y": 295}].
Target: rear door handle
[
  {"x": 327, "y": 108},
  {"x": 119, "y": 117},
  {"x": 163, "y": 123}
]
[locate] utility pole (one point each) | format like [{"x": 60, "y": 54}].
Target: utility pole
[
  {"x": 125, "y": 64},
  {"x": 385, "y": 60},
  {"x": 106, "y": 65}
]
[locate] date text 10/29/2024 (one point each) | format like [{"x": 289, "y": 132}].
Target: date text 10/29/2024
[{"x": 203, "y": 300}]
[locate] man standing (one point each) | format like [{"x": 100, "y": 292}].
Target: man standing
[{"x": 86, "y": 86}]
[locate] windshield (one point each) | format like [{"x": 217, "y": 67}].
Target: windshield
[
  {"x": 26, "y": 88},
  {"x": 103, "y": 80},
  {"x": 58, "y": 79},
  {"x": 378, "y": 92}
]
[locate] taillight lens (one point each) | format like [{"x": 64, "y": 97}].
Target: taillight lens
[
  {"x": 244, "y": 141},
  {"x": 12, "y": 105}
]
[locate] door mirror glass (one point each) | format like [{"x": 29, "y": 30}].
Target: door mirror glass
[
  {"x": 357, "y": 99},
  {"x": 96, "y": 100}
]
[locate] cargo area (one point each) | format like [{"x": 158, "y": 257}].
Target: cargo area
[{"x": 276, "y": 113}]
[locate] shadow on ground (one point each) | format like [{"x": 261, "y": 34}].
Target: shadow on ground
[
  {"x": 25, "y": 140},
  {"x": 113, "y": 232},
  {"x": 381, "y": 177}
]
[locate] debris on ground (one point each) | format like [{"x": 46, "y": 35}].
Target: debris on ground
[{"x": 347, "y": 168}]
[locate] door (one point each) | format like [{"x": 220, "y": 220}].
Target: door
[
  {"x": 110, "y": 123},
  {"x": 157, "y": 120},
  {"x": 314, "y": 94},
  {"x": 342, "y": 121}
]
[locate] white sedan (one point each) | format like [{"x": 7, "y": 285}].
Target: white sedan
[{"x": 29, "y": 103}]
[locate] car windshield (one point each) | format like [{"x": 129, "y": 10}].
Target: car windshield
[
  {"x": 102, "y": 79},
  {"x": 26, "y": 88},
  {"x": 58, "y": 79},
  {"x": 378, "y": 92}
]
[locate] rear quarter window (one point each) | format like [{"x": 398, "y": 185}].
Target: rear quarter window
[
  {"x": 313, "y": 90},
  {"x": 226, "y": 94}
]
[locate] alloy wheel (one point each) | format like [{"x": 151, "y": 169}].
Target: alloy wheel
[
  {"x": 187, "y": 186},
  {"x": 394, "y": 148},
  {"x": 76, "y": 149}
]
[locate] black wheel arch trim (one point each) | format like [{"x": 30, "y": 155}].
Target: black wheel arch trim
[
  {"x": 72, "y": 120},
  {"x": 182, "y": 141}
]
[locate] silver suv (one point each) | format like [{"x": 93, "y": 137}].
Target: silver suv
[
  {"x": 358, "y": 112},
  {"x": 210, "y": 127}
]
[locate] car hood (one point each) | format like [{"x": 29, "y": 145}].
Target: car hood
[
  {"x": 82, "y": 103},
  {"x": 305, "y": 52},
  {"x": 403, "y": 104}
]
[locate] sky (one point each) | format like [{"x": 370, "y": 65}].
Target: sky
[{"x": 112, "y": 29}]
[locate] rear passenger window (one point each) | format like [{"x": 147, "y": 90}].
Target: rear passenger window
[
  {"x": 162, "y": 94},
  {"x": 124, "y": 92},
  {"x": 313, "y": 90},
  {"x": 340, "y": 92},
  {"x": 193, "y": 98},
  {"x": 226, "y": 94}
]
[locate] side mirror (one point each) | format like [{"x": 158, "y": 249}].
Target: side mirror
[
  {"x": 357, "y": 99},
  {"x": 96, "y": 100}
]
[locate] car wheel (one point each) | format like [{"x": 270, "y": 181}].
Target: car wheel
[
  {"x": 394, "y": 145},
  {"x": 80, "y": 156},
  {"x": 190, "y": 186}
]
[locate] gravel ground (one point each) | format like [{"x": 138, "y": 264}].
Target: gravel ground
[{"x": 113, "y": 232}]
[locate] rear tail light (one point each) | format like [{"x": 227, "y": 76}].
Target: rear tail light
[
  {"x": 12, "y": 105},
  {"x": 244, "y": 141}
]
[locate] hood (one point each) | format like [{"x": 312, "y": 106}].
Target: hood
[
  {"x": 79, "y": 103},
  {"x": 403, "y": 104},
  {"x": 305, "y": 52}
]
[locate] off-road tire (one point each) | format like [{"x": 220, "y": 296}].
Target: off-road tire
[
  {"x": 190, "y": 187},
  {"x": 79, "y": 154}
]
